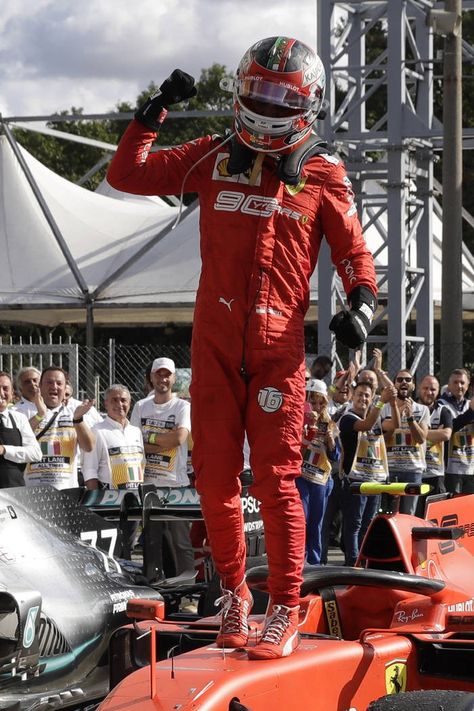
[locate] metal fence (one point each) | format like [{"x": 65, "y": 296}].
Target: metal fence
[
  {"x": 93, "y": 370},
  {"x": 127, "y": 364},
  {"x": 40, "y": 354},
  {"x": 108, "y": 364}
]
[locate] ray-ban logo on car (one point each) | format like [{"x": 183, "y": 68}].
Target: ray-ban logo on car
[{"x": 270, "y": 399}]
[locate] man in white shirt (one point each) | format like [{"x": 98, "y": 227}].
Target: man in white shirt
[
  {"x": 460, "y": 452},
  {"x": 18, "y": 444},
  {"x": 406, "y": 444},
  {"x": 117, "y": 460},
  {"x": 61, "y": 430},
  {"x": 165, "y": 422},
  {"x": 27, "y": 381}
]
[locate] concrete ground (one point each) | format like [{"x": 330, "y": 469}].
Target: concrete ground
[{"x": 335, "y": 556}]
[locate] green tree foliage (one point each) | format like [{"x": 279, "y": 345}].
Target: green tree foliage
[
  {"x": 70, "y": 159},
  {"x": 74, "y": 160}
]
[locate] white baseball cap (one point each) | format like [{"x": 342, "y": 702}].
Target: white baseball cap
[
  {"x": 317, "y": 386},
  {"x": 165, "y": 363}
]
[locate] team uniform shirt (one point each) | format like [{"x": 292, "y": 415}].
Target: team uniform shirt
[
  {"x": 60, "y": 450},
  {"x": 29, "y": 451},
  {"x": 118, "y": 457},
  {"x": 364, "y": 454},
  {"x": 404, "y": 454},
  {"x": 460, "y": 457},
  {"x": 316, "y": 465},
  {"x": 168, "y": 468},
  {"x": 440, "y": 418}
]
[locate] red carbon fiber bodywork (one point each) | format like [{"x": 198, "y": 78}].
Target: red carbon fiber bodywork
[{"x": 359, "y": 643}]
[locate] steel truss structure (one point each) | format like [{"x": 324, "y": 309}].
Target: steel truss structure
[{"x": 379, "y": 60}]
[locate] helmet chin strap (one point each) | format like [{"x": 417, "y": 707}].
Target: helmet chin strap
[{"x": 290, "y": 165}]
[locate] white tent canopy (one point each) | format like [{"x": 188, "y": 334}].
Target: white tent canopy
[
  {"x": 103, "y": 235},
  {"x": 126, "y": 260}
]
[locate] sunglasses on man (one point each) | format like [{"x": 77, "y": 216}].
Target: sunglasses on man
[{"x": 404, "y": 379}]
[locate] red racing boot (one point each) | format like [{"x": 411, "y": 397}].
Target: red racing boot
[
  {"x": 236, "y": 606},
  {"x": 280, "y": 635}
]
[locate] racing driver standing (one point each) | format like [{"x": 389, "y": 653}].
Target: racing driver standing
[{"x": 269, "y": 191}]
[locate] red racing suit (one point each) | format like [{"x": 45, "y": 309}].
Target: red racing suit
[{"x": 259, "y": 246}]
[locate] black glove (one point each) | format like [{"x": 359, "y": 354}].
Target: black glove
[
  {"x": 178, "y": 87},
  {"x": 352, "y": 327}
]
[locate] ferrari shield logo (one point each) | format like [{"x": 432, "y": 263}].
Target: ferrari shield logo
[
  {"x": 295, "y": 189},
  {"x": 396, "y": 677}
]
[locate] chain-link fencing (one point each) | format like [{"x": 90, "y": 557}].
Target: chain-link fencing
[
  {"x": 92, "y": 370},
  {"x": 127, "y": 364}
]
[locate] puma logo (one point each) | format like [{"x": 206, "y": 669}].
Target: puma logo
[{"x": 227, "y": 303}]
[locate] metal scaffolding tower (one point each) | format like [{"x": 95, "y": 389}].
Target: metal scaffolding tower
[{"x": 379, "y": 61}]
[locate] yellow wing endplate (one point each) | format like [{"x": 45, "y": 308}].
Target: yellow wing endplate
[{"x": 369, "y": 488}]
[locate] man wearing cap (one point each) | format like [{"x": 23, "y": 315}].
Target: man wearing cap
[{"x": 165, "y": 422}]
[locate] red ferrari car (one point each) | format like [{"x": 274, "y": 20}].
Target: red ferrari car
[{"x": 394, "y": 632}]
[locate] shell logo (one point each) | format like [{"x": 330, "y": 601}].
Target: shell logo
[{"x": 222, "y": 168}]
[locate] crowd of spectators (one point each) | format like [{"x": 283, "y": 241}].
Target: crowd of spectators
[
  {"x": 363, "y": 426},
  {"x": 49, "y": 437},
  {"x": 382, "y": 430}
]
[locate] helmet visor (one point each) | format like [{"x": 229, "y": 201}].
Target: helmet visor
[{"x": 255, "y": 88}]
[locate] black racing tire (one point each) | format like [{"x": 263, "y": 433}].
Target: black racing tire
[{"x": 435, "y": 700}]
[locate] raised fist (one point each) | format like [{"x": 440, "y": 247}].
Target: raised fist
[{"x": 177, "y": 87}]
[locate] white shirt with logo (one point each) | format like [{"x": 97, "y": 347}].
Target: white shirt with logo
[
  {"x": 460, "y": 458},
  {"x": 118, "y": 457},
  {"x": 60, "y": 450},
  {"x": 168, "y": 468},
  {"x": 403, "y": 453},
  {"x": 440, "y": 417}
]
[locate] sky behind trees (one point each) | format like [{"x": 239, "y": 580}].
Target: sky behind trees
[{"x": 55, "y": 54}]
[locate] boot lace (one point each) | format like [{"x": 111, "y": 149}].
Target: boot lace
[
  {"x": 233, "y": 607},
  {"x": 276, "y": 626}
]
